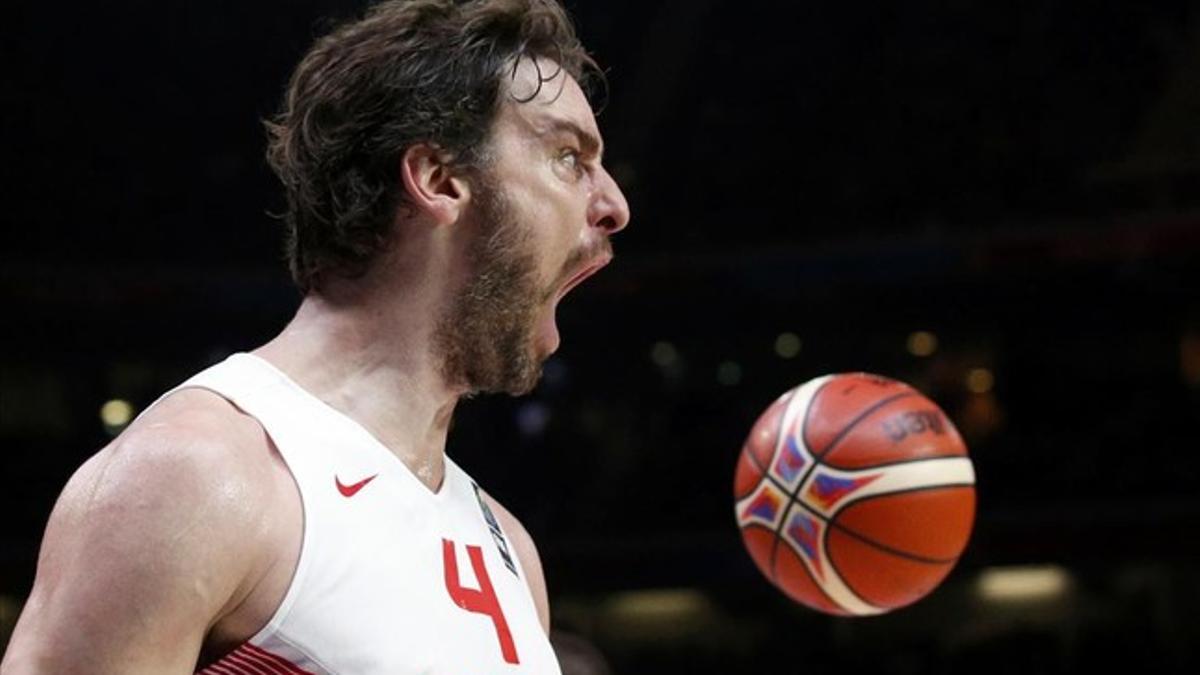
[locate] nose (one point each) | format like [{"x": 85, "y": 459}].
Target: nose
[{"x": 608, "y": 210}]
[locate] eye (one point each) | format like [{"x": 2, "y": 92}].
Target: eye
[{"x": 570, "y": 158}]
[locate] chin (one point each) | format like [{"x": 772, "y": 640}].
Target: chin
[
  {"x": 515, "y": 375},
  {"x": 520, "y": 385},
  {"x": 531, "y": 373},
  {"x": 525, "y": 388}
]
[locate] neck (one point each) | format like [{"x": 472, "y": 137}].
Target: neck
[{"x": 376, "y": 367}]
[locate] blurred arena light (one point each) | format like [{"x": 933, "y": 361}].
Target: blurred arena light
[
  {"x": 1023, "y": 584},
  {"x": 532, "y": 418},
  {"x": 115, "y": 414},
  {"x": 922, "y": 343},
  {"x": 658, "y": 603},
  {"x": 980, "y": 380},
  {"x": 980, "y": 415},
  {"x": 787, "y": 345}
]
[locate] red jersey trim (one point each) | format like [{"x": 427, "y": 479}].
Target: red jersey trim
[{"x": 251, "y": 660}]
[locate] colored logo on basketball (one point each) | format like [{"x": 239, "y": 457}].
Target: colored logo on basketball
[
  {"x": 827, "y": 490},
  {"x": 791, "y": 462},
  {"x": 764, "y": 506},
  {"x": 805, "y": 533}
]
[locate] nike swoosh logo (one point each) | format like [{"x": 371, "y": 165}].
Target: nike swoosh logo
[{"x": 353, "y": 488}]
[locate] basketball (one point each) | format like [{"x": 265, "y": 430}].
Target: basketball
[{"x": 854, "y": 494}]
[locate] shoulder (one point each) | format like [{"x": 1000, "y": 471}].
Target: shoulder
[
  {"x": 194, "y": 450},
  {"x": 527, "y": 552},
  {"x": 187, "y": 480},
  {"x": 154, "y": 538}
]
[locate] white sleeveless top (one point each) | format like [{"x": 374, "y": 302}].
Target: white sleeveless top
[{"x": 392, "y": 578}]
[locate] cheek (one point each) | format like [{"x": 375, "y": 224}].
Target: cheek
[
  {"x": 553, "y": 259},
  {"x": 556, "y": 214},
  {"x": 557, "y": 223}
]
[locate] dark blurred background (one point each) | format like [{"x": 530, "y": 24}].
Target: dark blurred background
[{"x": 994, "y": 201}]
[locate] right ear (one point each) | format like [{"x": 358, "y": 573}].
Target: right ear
[{"x": 432, "y": 185}]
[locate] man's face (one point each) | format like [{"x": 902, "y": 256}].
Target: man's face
[{"x": 542, "y": 212}]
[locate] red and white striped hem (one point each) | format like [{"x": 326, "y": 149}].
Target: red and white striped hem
[{"x": 251, "y": 660}]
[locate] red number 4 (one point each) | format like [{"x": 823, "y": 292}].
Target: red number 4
[{"x": 481, "y": 601}]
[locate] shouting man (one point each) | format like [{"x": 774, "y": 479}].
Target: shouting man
[{"x": 292, "y": 509}]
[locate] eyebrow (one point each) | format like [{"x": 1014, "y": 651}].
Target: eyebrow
[{"x": 589, "y": 142}]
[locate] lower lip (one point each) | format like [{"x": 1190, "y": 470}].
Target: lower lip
[
  {"x": 580, "y": 278},
  {"x": 548, "y": 337}
]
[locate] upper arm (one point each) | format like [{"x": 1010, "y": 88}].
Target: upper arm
[
  {"x": 527, "y": 553},
  {"x": 144, "y": 549}
]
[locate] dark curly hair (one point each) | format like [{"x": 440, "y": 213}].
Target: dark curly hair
[{"x": 410, "y": 71}]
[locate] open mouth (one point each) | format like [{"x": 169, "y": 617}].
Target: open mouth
[{"x": 590, "y": 269}]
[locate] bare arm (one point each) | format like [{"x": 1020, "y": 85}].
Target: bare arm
[
  {"x": 527, "y": 552},
  {"x": 146, "y": 548}
]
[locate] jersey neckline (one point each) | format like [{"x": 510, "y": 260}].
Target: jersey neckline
[{"x": 356, "y": 427}]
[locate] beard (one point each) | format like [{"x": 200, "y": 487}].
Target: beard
[{"x": 485, "y": 337}]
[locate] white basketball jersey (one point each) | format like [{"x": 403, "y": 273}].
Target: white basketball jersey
[{"x": 392, "y": 578}]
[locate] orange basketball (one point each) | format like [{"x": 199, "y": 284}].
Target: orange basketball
[{"x": 854, "y": 494}]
